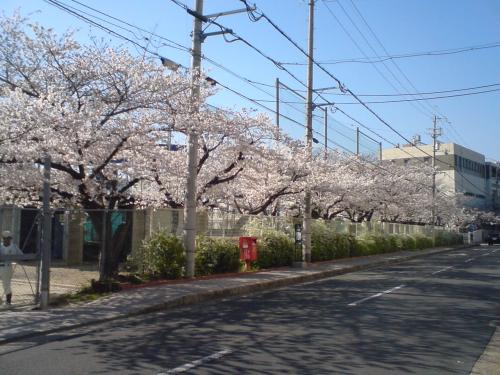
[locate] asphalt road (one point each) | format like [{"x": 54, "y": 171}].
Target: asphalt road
[{"x": 427, "y": 316}]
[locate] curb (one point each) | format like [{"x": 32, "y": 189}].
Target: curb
[{"x": 230, "y": 292}]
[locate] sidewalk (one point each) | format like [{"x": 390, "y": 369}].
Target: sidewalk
[{"x": 21, "y": 324}]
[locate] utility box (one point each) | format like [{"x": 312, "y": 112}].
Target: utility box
[{"x": 248, "y": 250}]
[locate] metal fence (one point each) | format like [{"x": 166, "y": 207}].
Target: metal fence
[{"x": 79, "y": 236}]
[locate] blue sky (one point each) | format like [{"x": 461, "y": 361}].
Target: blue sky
[{"x": 402, "y": 27}]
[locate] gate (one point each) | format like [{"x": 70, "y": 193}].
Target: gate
[{"x": 24, "y": 225}]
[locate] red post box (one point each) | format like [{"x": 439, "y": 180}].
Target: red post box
[{"x": 248, "y": 250}]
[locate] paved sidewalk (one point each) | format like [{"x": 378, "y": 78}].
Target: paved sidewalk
[
  {"x": 20, "y": 324},
  {"x": 489, "y": 362}
]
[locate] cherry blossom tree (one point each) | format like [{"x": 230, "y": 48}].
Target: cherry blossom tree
[
  {"x": 100, "y": 113},
  {"x": 104, "y": 116}
]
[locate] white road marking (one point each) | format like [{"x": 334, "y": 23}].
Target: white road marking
[
  {"x": 442, "y": 270},
  {"x": 469, "y": 260},
  {"x": 355, "y": 303},
  {"x": 198, "y": 362}
]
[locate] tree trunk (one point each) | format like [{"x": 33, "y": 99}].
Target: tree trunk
[{"x": 115, "y": 241}]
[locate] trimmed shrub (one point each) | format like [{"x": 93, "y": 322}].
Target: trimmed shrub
[
  {"x": 328, "y": 245},
  {"x": 443, "y": 238},
  {"x": 409, "y": 243},
  {"x": 372, "y": 243},
  {"x": 395, "y": 242},
  {"x": 216, "y": 255},
  {"x": 363, "y": 247},
  {"x": 322, "y": 247},
  {"x": 275, "y": 250},
  {"x": 423, "y": 242},
  {"x": 163, "y": 256},
  {"x": 378, "y": 243},
  {"x": 345, "y": 245}
]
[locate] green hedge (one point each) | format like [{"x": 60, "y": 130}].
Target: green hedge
[
  {"x": 163, "y": 256},
  {"x": 371, "y": 244},
  {"x": 275, "y": 250},
  {"x": 328, "y": 245},
  {"x": 422, "y": 241},
  {"x": 448, "y": 238},
  {"x": 216, "y": 255}
]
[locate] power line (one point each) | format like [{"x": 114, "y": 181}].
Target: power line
[
  {"x": 262, "y": 15},
  {"x": 175, "y": 44},
  {"x": 429, "y": 92},
  {"x": 421, "y": 109},
  {"x": 385, "y": 50},
  {"x": 75, "y": 12},
  {"x": 398, "y": 100},
  {"x": 65, "y": 8},
  {"x": 423, "y": 98},
  {"x": 379, "y": 59}
]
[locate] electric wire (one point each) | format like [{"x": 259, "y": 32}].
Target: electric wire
[
  {"x": 371, "y": 60},
  {"x": 428, "y": 92},
  {"x": 398, "y": 100},
  {"x": 343, "y": 88},
  {"x": 330, "y": 11},
  {"x": 405, "y": 76}
]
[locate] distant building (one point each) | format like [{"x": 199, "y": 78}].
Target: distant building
[{"x": 461, "y": 170}]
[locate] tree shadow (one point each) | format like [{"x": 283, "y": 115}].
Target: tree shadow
[{"x": 435, "y": 325}]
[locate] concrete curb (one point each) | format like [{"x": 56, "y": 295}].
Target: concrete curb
[{"x": 194, "y": 298}]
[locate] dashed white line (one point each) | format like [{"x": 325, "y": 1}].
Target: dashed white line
[
  {"x": 442, "y": 270},
  {"x": 355, "y": 303},
  {"x": 198, "y": 362}
]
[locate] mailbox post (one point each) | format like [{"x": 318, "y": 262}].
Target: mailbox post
[{"x": 248, "y": 250}]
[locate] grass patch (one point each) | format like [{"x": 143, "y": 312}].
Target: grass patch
[{"x": 87, "y": 294}]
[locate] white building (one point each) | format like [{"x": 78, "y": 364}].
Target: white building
[{"x": 461, "y": 170}]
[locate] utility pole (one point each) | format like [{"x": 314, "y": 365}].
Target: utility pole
[
  {"x": 306, "y": 247},
  {"x": 436, "y": 132},
  {"x": 191, "y": 187},
  {"x": 190, "y": 202},
  {"x": 278, "y": 103},
  {"x": 46, "y": 236},
  {"x": 380, "y": 151},
  {"x": 326, "y": 132},
  {"x": 357, "y": 141}
]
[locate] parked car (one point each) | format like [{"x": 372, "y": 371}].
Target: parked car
[{"x": 493, "y": 238}]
